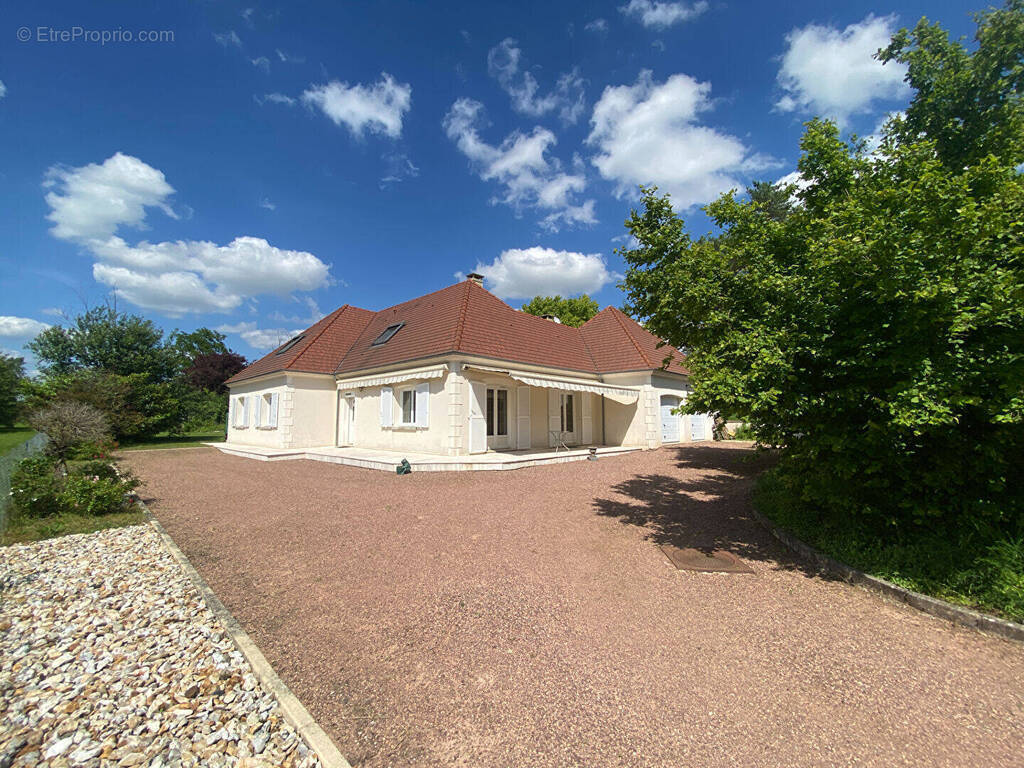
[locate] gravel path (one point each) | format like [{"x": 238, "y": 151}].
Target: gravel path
[
  {"x": 109, "y": 657},
  {"x": 529, "y": 618}
]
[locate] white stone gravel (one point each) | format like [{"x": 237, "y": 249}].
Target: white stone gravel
[{"x": 109, "y": 657}]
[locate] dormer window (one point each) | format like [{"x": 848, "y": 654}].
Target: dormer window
[
  {"x": 291, "y": 343},
  {"x": 386, "y": 335}
]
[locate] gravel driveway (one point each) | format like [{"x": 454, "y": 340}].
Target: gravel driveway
[{"x": 529, "y": 618}]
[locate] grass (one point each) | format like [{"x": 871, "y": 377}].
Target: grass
[
  {"x": 984, "y": 572},
  {"x": 186, "y": 440},
  {"x": 11, "y": 437},
  {"x": 21, "y": 529}
]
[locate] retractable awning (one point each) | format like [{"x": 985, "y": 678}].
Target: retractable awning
[
  {"x": 625, "y": 395},
  {"x": 393, "y": 378}
]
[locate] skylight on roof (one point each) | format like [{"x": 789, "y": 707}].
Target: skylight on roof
[
  {"x": 290, "y": 343},
  {"x": 386, "y": 335}
]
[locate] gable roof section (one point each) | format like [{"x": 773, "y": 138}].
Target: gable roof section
[
  {"x": 322, "y": 345},
  {"x": 465, "y": 318}
]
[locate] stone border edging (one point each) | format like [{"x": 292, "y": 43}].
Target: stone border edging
[
  {"x": 295, "y": 713},
  {"x": 957, "y": 614}
]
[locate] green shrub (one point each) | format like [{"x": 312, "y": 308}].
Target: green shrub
[
  {"x": 93, "y": 495},
  {"x": 36, "y": 487},
  {"x": 93, "y": 487},
  {"x": 744, "y": 432}
]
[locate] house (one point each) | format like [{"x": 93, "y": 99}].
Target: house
[{"x": 459, "y": 372}]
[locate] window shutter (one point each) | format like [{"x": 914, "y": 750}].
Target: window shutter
[
  {"x": 554, "y": 417},
  {"x": 245, "y": 411},
  {"x": 257, "y": 408},
  {"x": 422, "y": 405},
  {"x": 272, "y": 416},
  {"x": 387, "y": 399}
]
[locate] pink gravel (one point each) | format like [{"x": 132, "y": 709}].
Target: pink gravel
[{"x": 529, "y": 618}]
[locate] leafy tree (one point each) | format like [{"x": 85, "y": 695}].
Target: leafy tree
[
  {"x": 876, "y": 332},
  {"x": 12, "y": 371},
  {"x": 774, "y": 201},
  {"x": 104, "y": 339},
  {"x": 202, "y": 341},
  {"x": 574, "y": 311},
  {"x": 210, "y": 371}
]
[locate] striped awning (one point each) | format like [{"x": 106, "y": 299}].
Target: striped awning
[
  {"x": 382, "y": 379},
  {"x": 625, "y": 395}
]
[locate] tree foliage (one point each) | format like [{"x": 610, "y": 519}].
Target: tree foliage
[
  {"x": 875, "y": 332},
  {"x": 12, "y": 371},
  {"x": 574, "y": 310},
  {"x": 68, "y": 424},
  {"x": 121, "y": 365}
]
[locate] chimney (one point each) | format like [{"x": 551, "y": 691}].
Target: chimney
[
  {"x": 552, "y": 318},
  {"x": 476, "y": 277}
]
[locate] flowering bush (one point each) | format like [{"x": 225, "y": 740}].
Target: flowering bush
[
  {"x": 36, "y": 487},
  {"x": 95, "y": 487}
]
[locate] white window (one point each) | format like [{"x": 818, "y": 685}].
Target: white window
[
  {"x": 267, "y": 416},
  {"x": 407, "y": 399},
  {"x": 241, "y": 412},
  {"x": 497, "y": 412}
]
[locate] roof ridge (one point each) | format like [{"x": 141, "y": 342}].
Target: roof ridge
[
  {"x": 332, "y": 318},
  {"x": 622, "y": 325},
  {"x": 460, "y": 324}
]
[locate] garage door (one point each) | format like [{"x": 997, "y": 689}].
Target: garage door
[
  {"x": 669, "y": 420},
  {"x": 698, "y": 423}
]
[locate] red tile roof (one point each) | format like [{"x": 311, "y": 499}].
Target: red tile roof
[{"x": 465, "y": 318}]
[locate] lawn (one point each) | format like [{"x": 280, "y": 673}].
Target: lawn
[
  {"x": 186, "y": 440},
  {"x": 22, "y": 529},
  {"x": 11, "y": 437}
]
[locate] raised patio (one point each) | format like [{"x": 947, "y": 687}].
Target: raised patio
[{"x": 370, "y": 458}]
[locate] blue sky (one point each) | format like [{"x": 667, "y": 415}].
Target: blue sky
[{"x": 274, "y": 161}]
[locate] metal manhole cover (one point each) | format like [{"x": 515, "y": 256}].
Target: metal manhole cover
[{"x": 713, "y": 561}]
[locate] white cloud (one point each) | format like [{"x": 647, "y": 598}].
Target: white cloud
[
  {"x": 275, "y": 98},
  {"x": 261, "y": 63},
  {"x": 54, "y": 312},
  {"x": 834, "y": 74},
  {"x": 90, "y": 203},
  {"x": 3, "y": 89},
  {"x": 289, "y": 58},
  {"x": 20, "y": 327},
  {"x": 523, "y": 273},
  {"x": 659, "y": 15},
  {"x": 519, "y": 164},
  {"x": 503, "y": 65},
  {"x": 398, "y": 168},
  {"x": 94, "y": 200},
  {"x": 227, "y": 39},
  {"x": 266, "y": 203},
  {"x": 260, "y": 338},
  {"x": 376, "y": 108},
  {"x": 648, "y": 133},
  {"x": 599, "y": 26}
]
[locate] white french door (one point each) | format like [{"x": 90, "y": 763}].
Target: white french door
[
  {"x": 567, "y": 417},
  {"x": 346, "y": 420},
  {"x": 498, "y": 435}
]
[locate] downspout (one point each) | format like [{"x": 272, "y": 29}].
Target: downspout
[{"x": 604, "y": 436}]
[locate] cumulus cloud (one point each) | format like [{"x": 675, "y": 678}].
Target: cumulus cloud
[
  {"x": 519, "y": 164},
  {"x": 523, "y": 273},
  {"x": 657, "y": 15},
  {"x": 90, "y": 203},
  {"x": 376, "y": 108},
  {"x": 833, "y": 73},
  {"x": 649, "y": 133},
  {"x": 599, "y": 26},
  {"x": 20, "y": 327},
  {"x": 503, "y": 64},
  {"x": 260, "y": 338}
]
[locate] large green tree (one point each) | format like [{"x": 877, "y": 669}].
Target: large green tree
[
  {"x": 574, "y": 310},
  {"x": 876, "y": 331},
  {"x": 12, "y": 371}
]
